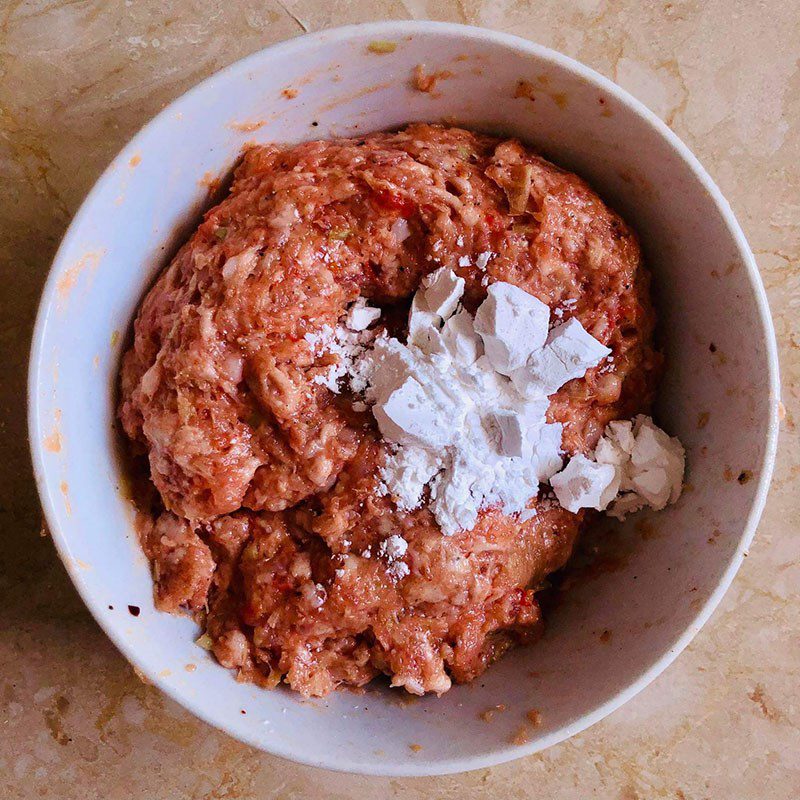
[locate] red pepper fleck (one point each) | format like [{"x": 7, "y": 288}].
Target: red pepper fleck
[
  {"x": 392, "y": 202},
  {"x": 493, "y": 222},
  {"x": 283, "y": 584},
  {"x": 523, "y": 598}
]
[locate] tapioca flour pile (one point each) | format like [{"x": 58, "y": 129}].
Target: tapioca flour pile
[{"x": 380, "y": 392}]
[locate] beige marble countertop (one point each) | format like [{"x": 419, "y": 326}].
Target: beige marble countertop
[{"x": 77, "y": 79}]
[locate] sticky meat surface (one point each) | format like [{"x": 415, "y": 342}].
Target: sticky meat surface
[{"x": 269, "y": 518}]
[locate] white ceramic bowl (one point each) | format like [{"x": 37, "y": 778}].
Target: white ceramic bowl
[{"x": 653, "y": 600}]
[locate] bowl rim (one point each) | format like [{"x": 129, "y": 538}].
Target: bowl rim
[{"x": 418, "y": 766}]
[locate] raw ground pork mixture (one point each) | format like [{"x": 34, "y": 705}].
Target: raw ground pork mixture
[{"x": 266, "y": 523}]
